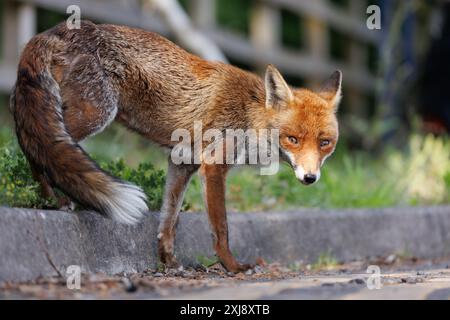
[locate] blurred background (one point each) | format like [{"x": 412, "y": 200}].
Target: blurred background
[{"x": 394, "y": 116}]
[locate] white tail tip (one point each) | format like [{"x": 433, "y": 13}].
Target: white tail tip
[{"x": 126, "y": 204}]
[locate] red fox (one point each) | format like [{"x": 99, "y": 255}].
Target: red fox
[{"x": 71, "y": 84}]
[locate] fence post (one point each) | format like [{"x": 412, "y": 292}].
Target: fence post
[
  {"x": 317, "y": 43},
  {"x": 358, "y": 61},
  {"x": 9, "y": 32},
  {"x": 19, "y": 26},
  {"x": 265, "y": 25},
  {"x": 203, "y": 13},
  {"x": 27, "y": 24}
]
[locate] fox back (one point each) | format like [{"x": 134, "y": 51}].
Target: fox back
[{"x": 71, "y": 84}]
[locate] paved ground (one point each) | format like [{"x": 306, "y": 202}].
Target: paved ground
[
  {"x": 44, "y": 242},
  {"x": 401, "y": 278}
]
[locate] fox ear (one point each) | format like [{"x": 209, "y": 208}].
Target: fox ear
[
  {"x": 331, "y": 89},
  {"x": 278, "y": 93}
]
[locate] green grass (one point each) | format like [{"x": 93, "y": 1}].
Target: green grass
[
  {"x": 324, "y": 261},
  {"x": 346, "y": 181},
  {"x": 18, "y": 189},
  {"x": 418, "y": 175},
  {"x": 145, "y": 175},
  {"x": 206, "y": 261}
]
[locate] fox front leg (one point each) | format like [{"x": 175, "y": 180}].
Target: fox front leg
[
  {"x": 177, "y": 179},
  {"x": 213, "y": 179}
]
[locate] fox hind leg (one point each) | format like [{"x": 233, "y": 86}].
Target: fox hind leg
[
  {"x": 178, "y": 177},
  {"x": 40, "y": 177},
  {"x": 89, "y": 100},
  {"x": 63, "y": 202},
  {"x": 89, "y": 104}
]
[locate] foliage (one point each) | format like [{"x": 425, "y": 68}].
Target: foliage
[
  {"x": 145, "y": 176},
  {"x": 234, "y": 14},
  {"x": 325, "y": 261},
  {"x": 424, "y": 170},
  {"x": 416, "y": 176},
  {"x": 419, "y": 175},
  {"x": 291, "y": 30},
  {"x": 18, "y": 189},
  {"x": 206, "y": 261},
  {"x": 347, "y": 183}
]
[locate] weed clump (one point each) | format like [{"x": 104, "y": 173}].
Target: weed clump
[{"x": 18, "y": 188}]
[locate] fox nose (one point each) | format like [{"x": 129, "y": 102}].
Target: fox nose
[{"x": 309, "y": 178}]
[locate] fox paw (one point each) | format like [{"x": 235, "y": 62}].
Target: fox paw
[
  {"x": 65, "y": 204},
  {"x": 238, "y": 267},
  {"x": 168, "y": 260}
]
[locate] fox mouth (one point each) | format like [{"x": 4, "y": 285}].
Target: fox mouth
[
  {"x": 307, "y": 183},
  {"x": 306, "y": 178}
]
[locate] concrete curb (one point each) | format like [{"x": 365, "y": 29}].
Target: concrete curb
[{"x": 31, "y": 241}]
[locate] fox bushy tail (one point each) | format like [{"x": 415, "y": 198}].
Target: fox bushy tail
[{"x": 37, "y": 107}]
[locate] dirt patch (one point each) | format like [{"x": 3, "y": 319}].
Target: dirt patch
[
  {"x": 151, "y": 283},
  {"x": 155, "y": 284}
]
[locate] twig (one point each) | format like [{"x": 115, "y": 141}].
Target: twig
[{"x": 45, "y": 248}]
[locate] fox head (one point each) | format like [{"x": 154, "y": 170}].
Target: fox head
[{"x": 306, "y": 122}]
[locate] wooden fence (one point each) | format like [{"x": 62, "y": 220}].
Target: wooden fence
[{"x": 262, "y": 46}]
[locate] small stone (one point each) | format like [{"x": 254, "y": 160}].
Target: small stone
[
  {"x": 411, "y": 280},
  {"x": 249, "y": 272},
  {"x": 392, "y": 281},
  {"x": 390, "y": 259},
  {"x": 358, "y": 281},
  {"x": 128, "y": 285},
  {"x": 328, "y": 284},
  {"x": 258, "y": 270},
  {"x": 201, "y": 268},
  {"x": 158, "y": 274},
  {"x": 181, "y": 274}
]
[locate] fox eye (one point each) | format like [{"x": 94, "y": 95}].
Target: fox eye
[
  {"x": 293, "y": 140},
  {"x": 324, "y": 142}
]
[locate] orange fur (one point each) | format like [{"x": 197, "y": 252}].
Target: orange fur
[{"x": 73, "y": 83}]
